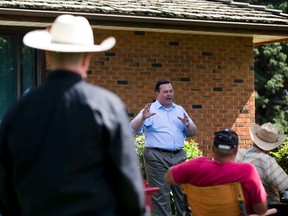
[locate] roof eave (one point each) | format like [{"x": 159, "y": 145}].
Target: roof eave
[{"x": 272, "y": 32}]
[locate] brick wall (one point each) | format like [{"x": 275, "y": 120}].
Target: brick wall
[{"x": 212, "y": 76}]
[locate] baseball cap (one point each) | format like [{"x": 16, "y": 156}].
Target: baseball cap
[{"x": 226, "y": 139}]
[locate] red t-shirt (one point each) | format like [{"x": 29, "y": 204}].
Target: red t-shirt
[{"x": 203, "y": 171}]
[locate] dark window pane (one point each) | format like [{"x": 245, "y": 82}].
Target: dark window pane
[
  {"x": 8, "y": 72},
  {"x": 28, "y": 74},
  {"x": 18, "y": 70}
]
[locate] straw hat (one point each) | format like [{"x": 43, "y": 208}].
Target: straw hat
[
  {"x": 266, "y": 136},
  {"x": 68, "y": 33}
]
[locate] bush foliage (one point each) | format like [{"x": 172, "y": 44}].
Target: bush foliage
[
  {"x": 281, "y": 156},
  {"x": 140, "y": 142},
  {"x": 191, "y": 147}
]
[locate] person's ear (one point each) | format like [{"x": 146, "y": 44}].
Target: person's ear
[
  {"x": 86, "y": 60},
  {"x": 213, "y": 148},
  {"x": 235, "y": 151},
  {"x": 85, "y": 64}
]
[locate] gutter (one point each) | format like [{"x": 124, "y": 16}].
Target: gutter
[{"x": 150, "y": 23}]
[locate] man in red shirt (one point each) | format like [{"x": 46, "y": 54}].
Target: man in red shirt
[{"x": 222, "y": 169}]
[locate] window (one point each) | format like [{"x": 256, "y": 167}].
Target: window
[{"x": 19, "y": 66}]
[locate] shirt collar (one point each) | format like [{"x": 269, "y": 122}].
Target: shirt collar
[
  {"x": 158, "y": 105},
  {"x": 64, "y": 74},
  {"x": 256, "y": 149}
]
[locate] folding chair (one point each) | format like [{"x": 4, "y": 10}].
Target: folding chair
[{"x": 219, "y": 200}]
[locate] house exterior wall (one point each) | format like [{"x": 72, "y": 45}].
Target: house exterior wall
[{"x": 212, "y": 76}]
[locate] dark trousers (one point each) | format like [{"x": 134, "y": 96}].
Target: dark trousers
[{"x": 156, "y": 165}]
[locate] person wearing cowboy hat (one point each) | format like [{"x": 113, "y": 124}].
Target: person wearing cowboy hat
[
  {"x": 273, "y": 177},
  {"x": 66, "y": 147}
]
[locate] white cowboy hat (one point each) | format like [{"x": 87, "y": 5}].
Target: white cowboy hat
[
  {"x": 68, "y": 33},
  {"x": 266, "y": 136}
]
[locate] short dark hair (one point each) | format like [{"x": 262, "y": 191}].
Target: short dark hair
[
  {"x": 161, "y": 82},
  {"x": 224, "y": 152}
]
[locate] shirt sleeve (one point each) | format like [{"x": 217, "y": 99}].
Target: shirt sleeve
[
  {"x": 183, "y": 172},
  {"x": 179, "y": 174},
  {"x": 190, "y": 122},
  {"x": 137, "y": 117},
  {"x": 123, "y": 163},
  {"x": 255, "y": 187},
  {"x": 240, "y": 155},
  {"x": 277, "y": 176},
  {"x": 8, "y": 199}
]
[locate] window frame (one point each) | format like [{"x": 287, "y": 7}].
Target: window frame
[{"x": 40, "y": 68}]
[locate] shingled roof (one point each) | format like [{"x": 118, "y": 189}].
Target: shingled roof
[
  {"x": 184, "y": 9},
  {"x": 202, "y": 13}
]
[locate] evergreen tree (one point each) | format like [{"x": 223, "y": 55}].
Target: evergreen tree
[
  {"x": 271, "y": 84},
  {"x": 269, "y": 3},
  {"x": 271, "y": 76}
]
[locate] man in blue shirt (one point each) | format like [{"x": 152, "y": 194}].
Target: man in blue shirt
[{"x": 165, "y": 125}]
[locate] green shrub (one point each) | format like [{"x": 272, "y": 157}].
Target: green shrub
[
  {"x": 191, "y": 147},
  {"x": 140, "y": 142},
  {"x": 281, "y": 155}
]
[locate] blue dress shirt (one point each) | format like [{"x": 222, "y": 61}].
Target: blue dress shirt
[{"x": 164, "y": 130}]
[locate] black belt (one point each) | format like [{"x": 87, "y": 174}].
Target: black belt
[{"x": 168, "y": 151}]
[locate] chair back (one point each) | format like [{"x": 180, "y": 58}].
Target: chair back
[{"x": 216, "y": 200}]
